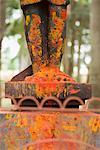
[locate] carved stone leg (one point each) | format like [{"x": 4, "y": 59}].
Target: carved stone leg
[
  {"x": 57, "y": 32},
  {"x": 36, "y": 32}
]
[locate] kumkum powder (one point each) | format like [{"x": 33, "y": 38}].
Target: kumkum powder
[{"x": 50, "y": 81}]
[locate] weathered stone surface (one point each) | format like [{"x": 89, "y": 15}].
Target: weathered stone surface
[{"x": 19, "y": 89}]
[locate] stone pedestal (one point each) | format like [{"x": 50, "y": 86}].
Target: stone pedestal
[{"x": 18, "y": 89}]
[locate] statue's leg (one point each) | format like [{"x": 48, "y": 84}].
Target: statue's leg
[
  {"x": 36, "y": 32},
  {"x": 57, "y": 33}
]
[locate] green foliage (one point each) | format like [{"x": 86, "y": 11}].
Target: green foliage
[
  {"x": 14, "y": 26},
  {"x": 14, "y": 4},
  {"x": 14, "y": 23}
]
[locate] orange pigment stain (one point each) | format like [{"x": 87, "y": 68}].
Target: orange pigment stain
[{"x": 51, "y": 81}]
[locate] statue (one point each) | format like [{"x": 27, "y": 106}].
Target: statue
[{"x": 45, "y": 28}]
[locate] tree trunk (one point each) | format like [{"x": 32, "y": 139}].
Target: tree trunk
[
  {"x": 2, "y": 19},
  {"x": 95, "y": 39},
  {"x": 79, "y": 53},
  {"x": 2, "y": 26},
  {"x": 73, "y": 36},
  {"x": 2, "y": 23}
]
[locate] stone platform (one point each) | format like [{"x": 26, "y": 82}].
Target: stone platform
[{"x": 18, "y": 88}]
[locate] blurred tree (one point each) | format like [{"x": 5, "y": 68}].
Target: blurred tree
[
  {"x": 14, "y": 20},
  {"x": 78, "y": 35},
  {"x": 2, "y": 29},
  {"x": 95, "y": 40},
  {"x": 2, "y": 23},
  {"x": 15, "y": 30}
]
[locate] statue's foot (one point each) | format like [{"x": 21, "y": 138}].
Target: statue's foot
[
  {"x": 51, "y": 80},
  {"x": 50, "y": 74}
]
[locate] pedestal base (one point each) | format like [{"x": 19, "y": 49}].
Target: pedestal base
[{"x": 18, "y": 88}]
